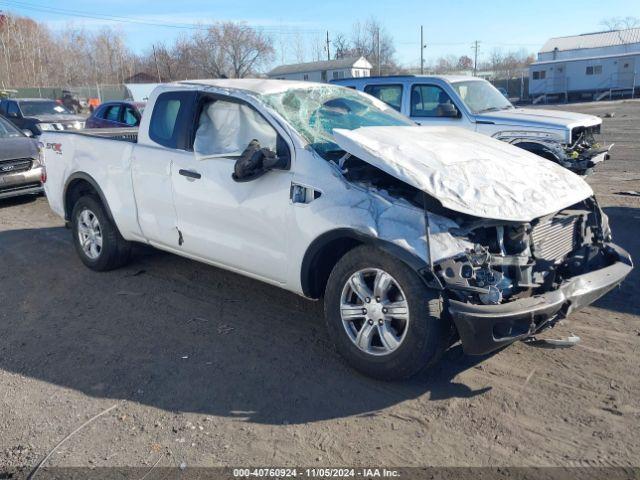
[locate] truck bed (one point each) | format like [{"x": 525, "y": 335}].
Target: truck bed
[{"x": 120, "y": 134}]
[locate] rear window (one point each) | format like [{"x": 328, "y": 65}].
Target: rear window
[
  {"x": 171, "y": 119},
  {"x": 389, "y": 94}
]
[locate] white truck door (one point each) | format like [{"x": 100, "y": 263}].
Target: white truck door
[
  {"x": 242, "y": 226},
  {"x": 429, "y": 104},
  {"x": 152, "y": 165}
]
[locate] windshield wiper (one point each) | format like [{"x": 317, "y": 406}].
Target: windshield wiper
[
  {"x": 490, "y": 109},
  {"x": 496, "y": 109}
]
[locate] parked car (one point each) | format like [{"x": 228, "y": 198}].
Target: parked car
[
  {"x": 72, "y": 102},
  {"x": 38, "y": 115},
  {"x": 409, "y": 233},
  {"x": 473, "y": 103},
  {"x": 116, "y": 115},
  {"x": 21, "y": 167}
]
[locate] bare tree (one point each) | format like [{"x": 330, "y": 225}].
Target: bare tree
[
  {"x": 465, "y": 63},
  {"x": 508, "y": 64},
  {"x": 245, "y": 49},
  {"x": 32, "y": 55},
  {"x": 620, "y": 23},
  {"x": 341, "y": 46},
  {"x": 299, "y": 48},
  {"x": 368, "y": 39}
]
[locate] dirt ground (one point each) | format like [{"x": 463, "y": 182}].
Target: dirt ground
[{"x": 208, "y": 368}]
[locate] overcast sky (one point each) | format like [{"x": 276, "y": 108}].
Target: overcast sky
[{"x": 450, "y": 26}]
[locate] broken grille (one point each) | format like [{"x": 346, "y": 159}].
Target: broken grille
[
  {"x": 14, "y": 166},
  {"x": 554, "y": 239}
]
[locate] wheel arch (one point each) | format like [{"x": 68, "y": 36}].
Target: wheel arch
[
  {"x": 326, "y": 250},
  {"x": 541, "y": 149},
  {"x": 79, "y": 184}
]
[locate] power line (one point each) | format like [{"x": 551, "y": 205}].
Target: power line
[{"x": 153, "y": 23}]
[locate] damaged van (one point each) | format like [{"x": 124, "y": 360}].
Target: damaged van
[{"x": 411, "y": 235}]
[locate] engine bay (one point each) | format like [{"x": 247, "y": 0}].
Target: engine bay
[{"x": 511, "y": 261}]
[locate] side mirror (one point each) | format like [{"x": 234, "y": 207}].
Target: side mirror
[
  {"x": 448, "y": 110},
  {"x": 27, "y": 132},
  {"x": 256, "y": 161}
]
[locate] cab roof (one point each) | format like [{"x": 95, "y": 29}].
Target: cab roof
[{"x": 259, "y": 86}]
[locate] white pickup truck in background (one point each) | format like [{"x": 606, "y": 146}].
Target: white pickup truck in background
[
  {"x": 473, "y": 103},
  {"x": 409, "y": 233}
]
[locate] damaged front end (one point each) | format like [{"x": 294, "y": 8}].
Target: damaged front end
[
  {"x": 585, "y": 152},
  {"x": 580, "y": 155},
  {"x": 514, "y": 279}
]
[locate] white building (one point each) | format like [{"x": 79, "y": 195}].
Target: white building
[
  {"x": 323, "y": 71},
  {"x": 592, "y": 65}
]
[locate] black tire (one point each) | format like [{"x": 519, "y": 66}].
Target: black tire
[
  {"x": 115, "y": 251},
  {"x": 428, "y": 332}
]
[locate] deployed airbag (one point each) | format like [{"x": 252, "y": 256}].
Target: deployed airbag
[{"x": 226, "y": 128}]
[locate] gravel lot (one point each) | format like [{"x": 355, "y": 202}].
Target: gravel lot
[{"x": 209, "y": 368}]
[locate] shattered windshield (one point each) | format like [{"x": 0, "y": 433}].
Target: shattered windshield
[
  {"x": 315, "y": 111},
  {"x": 481, "y": 96}
]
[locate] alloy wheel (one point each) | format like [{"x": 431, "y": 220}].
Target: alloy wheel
[
  {"x": 374, "y": 311},
  {"x": 89, "y": 234}
]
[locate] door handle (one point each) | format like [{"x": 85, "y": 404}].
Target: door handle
[{"x": 190, "y": 174}]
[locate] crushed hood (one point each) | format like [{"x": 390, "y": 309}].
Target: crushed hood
[
  {"x": 466, "y": 171},
  {"x": 543, "y": 118}
]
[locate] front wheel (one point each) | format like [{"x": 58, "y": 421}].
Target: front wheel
[{"x": 382, "y": 317}]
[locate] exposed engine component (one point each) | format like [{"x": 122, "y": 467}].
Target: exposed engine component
[
  {"x": 509, "y": 261},
  {"x": 473, "y": 274}
]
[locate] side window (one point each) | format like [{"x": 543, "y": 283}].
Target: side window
[
  {"x": 225, "y": 129},
  {"x": 113, "y": 113},
  {"x": 430, "y": 101},
  {"x": 389, "y": 94},
  {"x": 129, "y": 116},
  {"x": 172, "y": 119},
  {"x": 539, "y": 74},
  {"x": 13, "y": 110}
]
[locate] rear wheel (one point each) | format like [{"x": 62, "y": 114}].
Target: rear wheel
[
  {"x": 382, "y": 317},
  {"x": 96, "y": 238}
]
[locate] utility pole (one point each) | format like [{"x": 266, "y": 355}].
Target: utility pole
[
  {"x": 475, "y": 47},
  {"x": 422, "y": 47},
  {"x": 155, "y": 59},
  {"x": 328, "y": 50},
  {"x": 379, "y": 60}
]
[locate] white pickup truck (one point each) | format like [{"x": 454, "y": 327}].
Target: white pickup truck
[
  {"x": 566, "y": 138},
  {"x": 413, "y": 235}
]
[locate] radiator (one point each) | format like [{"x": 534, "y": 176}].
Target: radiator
[{"x": 554, "y": 239}]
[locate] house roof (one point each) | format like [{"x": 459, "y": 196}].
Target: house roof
[
  {"x": 592, "y": 40},
  {"x": 315, "y": 66}
]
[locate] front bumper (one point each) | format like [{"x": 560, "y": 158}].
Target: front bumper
[
  {"x": 484, "y": 328},
  {"x": 22, "y": 183},
  {"x": 586, "y": 164}
]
